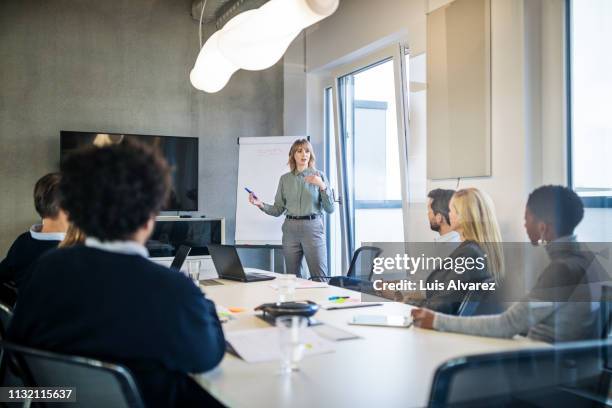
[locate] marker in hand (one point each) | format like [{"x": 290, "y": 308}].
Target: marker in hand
[{"x": 251, "y": 192}]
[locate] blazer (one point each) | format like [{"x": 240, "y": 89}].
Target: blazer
[{"x": 448, "y": 301}]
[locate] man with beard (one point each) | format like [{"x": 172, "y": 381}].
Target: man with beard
[{"x": 438, "y": 213}]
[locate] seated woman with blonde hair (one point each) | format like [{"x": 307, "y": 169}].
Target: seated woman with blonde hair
[{"x": 472, "y": 215}]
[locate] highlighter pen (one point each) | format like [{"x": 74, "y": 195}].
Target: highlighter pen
[
  {"x": 251, "y": 192},
  {"x": 338, "y": 297}
]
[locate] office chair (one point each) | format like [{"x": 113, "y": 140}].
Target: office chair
[
  {"x": 6, "y": 313},
  {"x": 559, "y": 376},
  {"x": 360, "y": 270},
  {"x": 8, "y": 293},
  {"x": 480, "y": 303},
  {"x": 605, "y": 310},
  {"x": 97, "y": 384}
]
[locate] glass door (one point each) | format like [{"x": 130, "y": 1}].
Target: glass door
[{"x": 372, "y": 145}]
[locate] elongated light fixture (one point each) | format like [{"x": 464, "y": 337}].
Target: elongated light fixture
[{"x": 255, "y": 40}]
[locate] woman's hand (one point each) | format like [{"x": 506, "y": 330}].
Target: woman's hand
[
  {"x": 316, "y": 180},
  {"x": 423, "y": 318},
  {"x": 255, "y": 201}
]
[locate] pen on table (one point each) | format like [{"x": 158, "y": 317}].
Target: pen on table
[
  {"x": 251, "y": 192},
  {"x": 338, "y": 297}
]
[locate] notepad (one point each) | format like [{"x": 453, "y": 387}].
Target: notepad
[{"x": 260, "y": 345}]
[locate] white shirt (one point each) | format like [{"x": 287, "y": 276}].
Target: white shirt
[
  {"x": 452, "y": 236},
  {"x": 119, "y": 247},
  {"x": 35, "y": 233}
]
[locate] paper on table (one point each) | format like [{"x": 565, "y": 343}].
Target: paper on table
[
  {"x": 304, "y": 284},
  {"x": 346, "y": 304},
  {"x": 224, "y": 313},
  {"x": 259, "y": 345}
]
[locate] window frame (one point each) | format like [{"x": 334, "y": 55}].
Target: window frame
[
  {"x": 604, "y": 201},
  {"x": 396, "y": 53}
]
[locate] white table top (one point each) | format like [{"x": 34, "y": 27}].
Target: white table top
[{"x": 388, "y": 367}]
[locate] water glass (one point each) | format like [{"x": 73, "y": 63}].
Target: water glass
[
  {"x": 286, "y": 287},
  {"x": 291, "y": 341},
  {"x": 193, "y": 271}
]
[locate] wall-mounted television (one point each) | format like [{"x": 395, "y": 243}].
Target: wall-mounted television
[{"x": 181, "y": 153}]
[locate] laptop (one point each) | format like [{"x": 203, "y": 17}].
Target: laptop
[
  {"x": 228, "y": 265},
  {"x": 179, "y": 258}
]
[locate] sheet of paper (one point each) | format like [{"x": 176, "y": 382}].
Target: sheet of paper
[
  {"x": 304, "y": 284},
  {"x": 259, "y": 345},
  {"x": 333, "y": 333},
  {"x": 224, "y": 314},
  {"x": 346, "y": 304}
]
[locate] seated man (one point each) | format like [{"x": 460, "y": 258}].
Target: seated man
[
  {"x": 438, "y": 214},
  {"x": 29, "y": 246},
  {"x": 105, "y": 299}
]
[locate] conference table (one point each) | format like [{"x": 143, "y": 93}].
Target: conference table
[{"x": 387, "y": 367}]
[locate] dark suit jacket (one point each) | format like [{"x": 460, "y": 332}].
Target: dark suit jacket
[
  {"x": 124, "y": 309},
  {"x": 446, "y": 301},
  {"x": 14, "y": 268}
]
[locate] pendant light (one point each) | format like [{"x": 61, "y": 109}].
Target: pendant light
[{"x": 255, "y": 40}]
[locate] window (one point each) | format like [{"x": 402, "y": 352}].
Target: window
[
  {"x": 371, "y": 154},
  {"x": 590, "y": 75}
]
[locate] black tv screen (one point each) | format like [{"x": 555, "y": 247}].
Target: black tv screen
[{"x": 181, "y": 153}]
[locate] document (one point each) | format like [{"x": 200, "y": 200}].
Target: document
[
  {"x": 260, "y": 345},
  {"x": 346, "y": 304},
  {"x": 304, "y": 284}
]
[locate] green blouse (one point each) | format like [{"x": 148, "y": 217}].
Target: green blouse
[{"x": 297, "y": 198}]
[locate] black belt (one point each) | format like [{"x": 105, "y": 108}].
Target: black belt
[{"x": 302, "y": 217}]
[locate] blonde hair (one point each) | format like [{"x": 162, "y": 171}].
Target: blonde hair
[
  {"x": 74, "y": 236},
  {"x": 478, "y": 223},
  {"x": 294, "y": 148}
]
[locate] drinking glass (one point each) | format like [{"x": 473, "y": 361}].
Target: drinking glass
[
  {"x": 286, "y": 287},
  {"x": 291, "y": 340},
  {"x": 193, "y": 271}
]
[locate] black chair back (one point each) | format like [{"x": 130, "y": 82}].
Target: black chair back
[
  {"x": 6, "y": 313},
  {"x": 97, "y": 384},
  {"x": 361, "y": 270},
  {"x": 605, "y": 309},
  {"x": 564, "y": 375},
  {"x": 480, "y": 302},
  {"x": 362, "y": 263}
]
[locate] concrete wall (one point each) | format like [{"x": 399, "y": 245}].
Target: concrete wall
[{"x": 118, "y": 66}]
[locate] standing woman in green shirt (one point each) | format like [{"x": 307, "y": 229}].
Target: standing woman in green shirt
[{"x": 303, "y": 194}]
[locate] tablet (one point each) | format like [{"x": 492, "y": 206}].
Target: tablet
[{"x": 380, "y": 320}]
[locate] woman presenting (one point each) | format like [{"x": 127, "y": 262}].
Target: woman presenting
[{"x": 303, "y": 195}]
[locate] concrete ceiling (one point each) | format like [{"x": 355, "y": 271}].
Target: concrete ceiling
[{"x": 220, "y": 11}]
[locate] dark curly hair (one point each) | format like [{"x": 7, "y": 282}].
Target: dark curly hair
[
  {"x": 440, "y": 198},
  {"x": 558, "y": 206},
  {"x": 110, "y": 192},
  {"x": 47, "y": 195}
]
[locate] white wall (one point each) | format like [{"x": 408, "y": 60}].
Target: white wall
[
  {"x": 360, "y": 26},
  {"x": 528, "y": 140}
]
